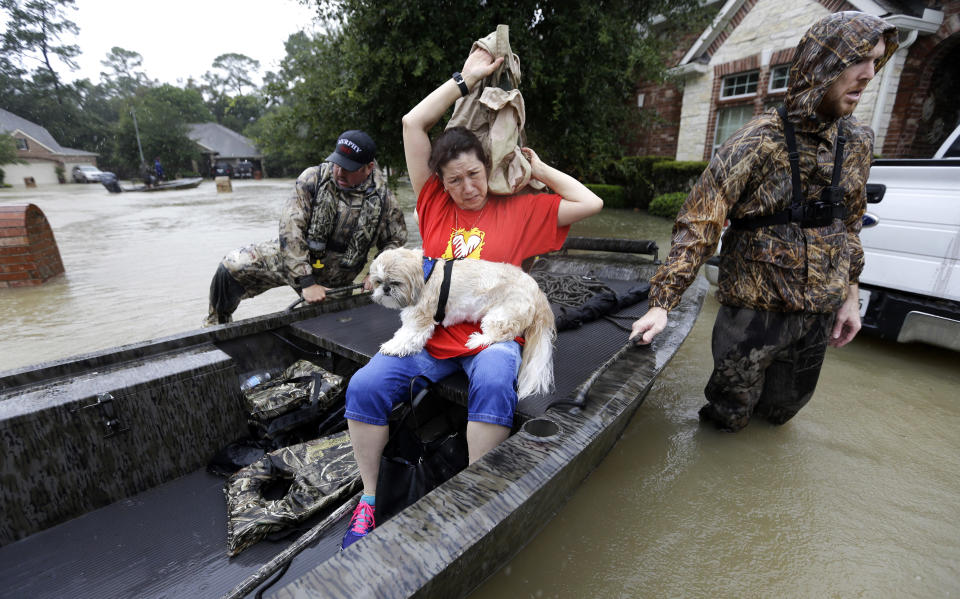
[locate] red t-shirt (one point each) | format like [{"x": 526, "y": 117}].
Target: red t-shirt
[{"x": 507, "y": 229}]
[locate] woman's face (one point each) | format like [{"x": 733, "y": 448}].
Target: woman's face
[{"x": 465, "y": 179}]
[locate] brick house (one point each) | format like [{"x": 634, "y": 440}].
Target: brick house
[
  {"x": 737, "y": 67},
  {"x": 41, "y": 152}
]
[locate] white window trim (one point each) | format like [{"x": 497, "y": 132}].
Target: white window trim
[
  {"x": 738, "y": 96},
  {"x": 776, "y": 90}
]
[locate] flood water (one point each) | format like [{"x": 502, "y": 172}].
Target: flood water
[{"x": 858, "y": 496}]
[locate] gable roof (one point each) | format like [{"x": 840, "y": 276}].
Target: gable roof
[
  {"x": 905, "y": 14},
  {"x": 224, "y": 142},
  {"x": 11, "y": 123}
]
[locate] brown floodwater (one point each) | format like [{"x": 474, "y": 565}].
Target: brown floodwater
[{"x": 858, "y": 496}]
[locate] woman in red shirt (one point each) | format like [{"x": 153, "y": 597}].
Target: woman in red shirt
[{"x": 458, "y": 219}]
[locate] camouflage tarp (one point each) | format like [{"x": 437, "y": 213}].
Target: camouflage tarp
[
  {"x": 297, "y": 386},
  {"x": 323, "y": 472}
]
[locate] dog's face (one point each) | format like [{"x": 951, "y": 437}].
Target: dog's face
[{"x": 397, "y": 278}]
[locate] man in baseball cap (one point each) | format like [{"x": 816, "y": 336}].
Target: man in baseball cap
[{"x": 340, "y": 210}]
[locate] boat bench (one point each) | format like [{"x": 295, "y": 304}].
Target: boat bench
[
  {"x": 72, "y": 443},
  {"x": 357, "y": 335}
]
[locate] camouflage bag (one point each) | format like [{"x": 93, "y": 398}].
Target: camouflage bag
[
  {"x": 323, "y": 473},
  {"x": 302, "y": 383}
]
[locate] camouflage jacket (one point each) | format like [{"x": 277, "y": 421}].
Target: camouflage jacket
[
  {"x": 782, "y": 267},
  {"x": 327, "y": 231}
]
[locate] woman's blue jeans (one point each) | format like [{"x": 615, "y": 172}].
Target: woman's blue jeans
[{"x": 385, "y": 382}]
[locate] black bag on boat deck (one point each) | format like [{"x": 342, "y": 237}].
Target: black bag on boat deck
[{"x": 416, "y": 460}]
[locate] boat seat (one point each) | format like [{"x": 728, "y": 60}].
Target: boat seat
[{"x": 357, "y": 335}]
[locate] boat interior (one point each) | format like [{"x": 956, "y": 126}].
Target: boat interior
[{"x": 112, "y": 496}]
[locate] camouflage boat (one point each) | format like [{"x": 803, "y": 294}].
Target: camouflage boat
[{"x": 106, "y": 492}]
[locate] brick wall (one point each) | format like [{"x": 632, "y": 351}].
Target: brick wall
[
  {"x": 28, "y": 250},
  {"x": 930, "y": 60}
]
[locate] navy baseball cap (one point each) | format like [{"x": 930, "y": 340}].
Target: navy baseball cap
[{"x": 354, "y": 150}]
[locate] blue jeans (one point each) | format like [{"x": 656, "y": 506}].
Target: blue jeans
[{"x": 385, "y": 382}]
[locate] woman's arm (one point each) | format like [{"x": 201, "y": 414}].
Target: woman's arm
[
  {"x": 418, "y": 122},
  {"x": 578, "y": 202}
]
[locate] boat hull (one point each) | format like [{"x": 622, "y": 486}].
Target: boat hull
[{"x": 445, "y": 544}]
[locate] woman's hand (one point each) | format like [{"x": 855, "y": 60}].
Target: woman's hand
[
  {"x": 479, "y": 64},
  {"x": 536, "y": 165}
]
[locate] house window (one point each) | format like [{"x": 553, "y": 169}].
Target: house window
[
  {"x": 778, "y": 78},
  {"x": 22, "y": 144},
  {"x": 729, "y": 119},
  {"x": 742, "y": 84}
]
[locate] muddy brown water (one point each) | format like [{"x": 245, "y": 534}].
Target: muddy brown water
[{"x": 858, "y": 496}]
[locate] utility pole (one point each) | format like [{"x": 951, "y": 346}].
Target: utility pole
[{"x": 137, "y": 131}]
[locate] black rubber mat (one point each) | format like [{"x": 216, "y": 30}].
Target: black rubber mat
[
  {"x": 578, "y": 352},
  {"x": 169, "y": 541}
]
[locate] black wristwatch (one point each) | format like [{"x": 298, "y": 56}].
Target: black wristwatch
[{"x": 458, "y": 79}]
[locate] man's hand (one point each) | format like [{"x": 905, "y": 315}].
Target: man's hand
[
  {"x": 649, "y": 326},
  {"x": 847, "y": 324},
  {"x": 314, "y": 294},
  {"x": 367, "y": 285}
]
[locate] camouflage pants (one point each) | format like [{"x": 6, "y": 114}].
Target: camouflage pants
[
  {"x": 245, "y": 273},
  {"x": 765, "y": 363}
]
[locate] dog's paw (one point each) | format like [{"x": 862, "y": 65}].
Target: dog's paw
[
  {"x": 400, "y": 346},
  {"x": 478, "y": 339}
]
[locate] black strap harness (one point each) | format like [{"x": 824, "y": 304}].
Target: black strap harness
[
  {"x": 818, "y": 213},
  {"x": 428, "y": 264}
]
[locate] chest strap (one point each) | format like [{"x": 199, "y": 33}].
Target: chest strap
[
  {"x": 817, "y": 213},
  {"x": 441, "y": 312}
]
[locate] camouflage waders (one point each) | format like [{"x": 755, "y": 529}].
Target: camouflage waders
[
  {"x": 251, "y": 270},
  {"x": 765, "y": 363}
]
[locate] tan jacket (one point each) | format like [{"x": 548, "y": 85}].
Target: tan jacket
[
  {"x": 495, "y": 113},
  {"x": 782, "y": 268}
]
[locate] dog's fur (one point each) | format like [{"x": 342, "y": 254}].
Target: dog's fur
[{"x": 505, "y": 301}]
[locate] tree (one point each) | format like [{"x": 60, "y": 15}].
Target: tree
[
  {"x": 34, "y": 31},
  {"x": 162, "y": 114},
  {"x": 8, "y": 152},
  {"x": 237, "y": 67},
  {"x": 123, "y": 76},
  {"x": 308, "y": 104},
  {"x": 580, "y": 59}
]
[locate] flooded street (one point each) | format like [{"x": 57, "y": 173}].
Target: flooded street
[{"x": 858, "y": 496}]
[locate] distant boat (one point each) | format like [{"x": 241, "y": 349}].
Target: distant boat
[{"x": 109, "y": 181}]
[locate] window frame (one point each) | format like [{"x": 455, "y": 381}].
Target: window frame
[
  {"x": 756, "y": 85},
  {"x": 773, "y": 70},
  {"x": 22, "y": 144}
]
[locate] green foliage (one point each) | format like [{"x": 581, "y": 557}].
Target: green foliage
[
  {"x": 8, "y": 150},
  {"x": 667, "y": 205},
  {"x": 580, "y": 60},
  {"x": 613, "y": 196},
  {"x": 672, "y": 175},
  {"x": 636, "y": 175}
]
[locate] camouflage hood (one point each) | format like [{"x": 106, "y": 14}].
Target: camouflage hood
[{"x": 826, "y": 49}]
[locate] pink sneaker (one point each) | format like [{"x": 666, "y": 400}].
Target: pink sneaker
[{"x": 361, "y": 523}]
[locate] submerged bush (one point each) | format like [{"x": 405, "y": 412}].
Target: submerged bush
[
  {"x": 668, "y": 204},
  {"x": 613, "y": 196}
]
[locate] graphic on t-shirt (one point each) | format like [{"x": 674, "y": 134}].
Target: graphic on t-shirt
[{"x": 464, "y": 244}]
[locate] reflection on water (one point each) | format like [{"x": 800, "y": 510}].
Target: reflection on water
[{"x": 857, "y": 496}]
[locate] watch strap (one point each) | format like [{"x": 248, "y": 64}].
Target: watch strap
[{"x": 458, "y": 79}]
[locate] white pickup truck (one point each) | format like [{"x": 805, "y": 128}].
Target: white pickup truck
[{"x": 910, "y": 285}]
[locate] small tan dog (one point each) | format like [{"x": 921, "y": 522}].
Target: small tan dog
[{"x": 505, "y": 301}]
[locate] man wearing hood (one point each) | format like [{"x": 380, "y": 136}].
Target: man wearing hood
[
  {"x": 791, "y": 259},
  {"x": 338, "y": 212}
]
